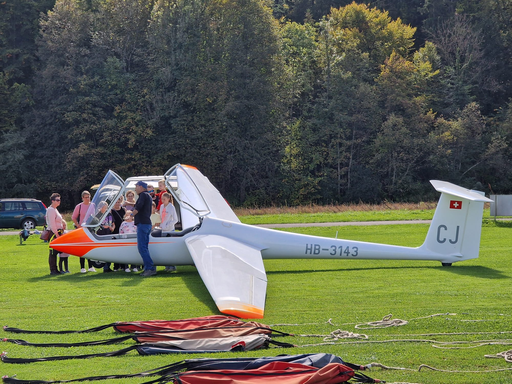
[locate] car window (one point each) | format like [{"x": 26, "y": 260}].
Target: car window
[
  {"x": 13, "y": 206},
  {"x": 1, "y": 206},
  {"x": 32, "y": 206}
]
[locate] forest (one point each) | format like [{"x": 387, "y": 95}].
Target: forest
[{"x": 283, "y": 102}]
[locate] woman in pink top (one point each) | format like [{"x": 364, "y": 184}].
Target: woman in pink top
[
  {"x": 57, "y": 225},
  {"x": 79, "y": 217},
  {"x": 80, "y": 212}
]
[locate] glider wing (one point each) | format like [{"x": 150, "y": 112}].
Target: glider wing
[{"x": 233, "y": 273}]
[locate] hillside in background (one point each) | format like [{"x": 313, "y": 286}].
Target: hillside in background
[{"x": 278, "y": 103}]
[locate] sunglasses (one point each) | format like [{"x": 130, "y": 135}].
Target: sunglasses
[{"x": 56, "y": 199}]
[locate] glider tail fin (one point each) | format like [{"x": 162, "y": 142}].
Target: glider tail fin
[{"x": 457, "y": 224}]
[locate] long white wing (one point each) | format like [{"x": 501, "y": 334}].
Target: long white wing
[{"x": 233, "y": 273}]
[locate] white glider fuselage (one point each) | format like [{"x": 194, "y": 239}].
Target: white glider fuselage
[
  {"x": 229, "y": 255},
  {"x": 273, "y": 244}
]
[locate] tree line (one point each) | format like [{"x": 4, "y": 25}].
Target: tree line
[{"x": 284, "y": 102}]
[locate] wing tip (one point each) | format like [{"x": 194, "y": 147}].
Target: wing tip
[{"x": 240, "y": 310}]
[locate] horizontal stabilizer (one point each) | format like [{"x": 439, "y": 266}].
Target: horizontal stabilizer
[{"x": 455, "y": 190}]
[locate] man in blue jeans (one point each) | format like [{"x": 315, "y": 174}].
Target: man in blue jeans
[{"x": 142, "y": 214}]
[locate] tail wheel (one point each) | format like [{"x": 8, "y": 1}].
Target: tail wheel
[{"x": 446, "y": 264}]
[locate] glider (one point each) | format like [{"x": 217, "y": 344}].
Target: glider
[{"x": 229, "y": 255}]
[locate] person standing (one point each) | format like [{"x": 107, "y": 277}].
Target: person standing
[
  {"x": 169, "y": 219},
  {"x": 79, "y": 217},
  {"x": 162, "y": 189},
  {"x": 142, "y": 215},
  {"x": 129, "y": 203},
  {"x": 56, "y": 224},
  {"x": 152, "y": 193},
  {"x": 118, "y": 213}
]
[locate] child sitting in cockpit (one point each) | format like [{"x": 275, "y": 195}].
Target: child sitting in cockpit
[
  {"x": 128, "y": 226},
  {"x": 167, "y": 213}
]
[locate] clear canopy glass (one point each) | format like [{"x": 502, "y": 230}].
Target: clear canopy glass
[
  {"x": 185, "y": 191},
  {"x": 111, "y": 188}
]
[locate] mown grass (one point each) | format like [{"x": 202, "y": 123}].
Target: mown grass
[
  {"x": 306, "y": 293},
  {"x": 337, "y": 213},
  {"x": 343, "y": 213}
]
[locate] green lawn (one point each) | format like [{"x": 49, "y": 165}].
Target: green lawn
[
  {"x": 308, "y": 293},
  {"x": 328, "y": 217},
  {"x": 350, "y": 216}
]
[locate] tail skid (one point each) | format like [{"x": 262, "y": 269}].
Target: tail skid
[{"x": 457, "y": 224}]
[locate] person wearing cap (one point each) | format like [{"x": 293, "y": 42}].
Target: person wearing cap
[{"x": 142, "y": 215}]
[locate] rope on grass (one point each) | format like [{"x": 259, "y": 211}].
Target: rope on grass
[
  {"x": 448, "y": 371},
  {"x": 379, "y": 365},
  {"x": 478, "y": 343},
  {"x": 435, "y": 344},
  {"x": 370, "y": 342},
  {"x": 454, "y": 333},
  {"x": 297, "y": 325},
  {"x": 425, "y": 366},
  {"x": 384, "y": 323},
  {"x": 388, "y": 321},
  {"x": 339, "y": 335},
  {"x": 507, "y": 355}
]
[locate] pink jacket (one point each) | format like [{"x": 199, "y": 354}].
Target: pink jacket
[
  {"x": 54, "y": 219},
  {"x": 82, "y": 209}
]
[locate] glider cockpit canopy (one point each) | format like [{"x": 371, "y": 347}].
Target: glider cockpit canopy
[
  {"x": 192, "y": 191},
  {"x": 109, "y": 191},
  {"x": 196, "y": 194}
]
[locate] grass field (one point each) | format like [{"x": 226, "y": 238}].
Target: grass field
[{"x": 474, "y": 296}]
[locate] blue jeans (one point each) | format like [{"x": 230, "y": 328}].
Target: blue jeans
[{"x": 143, "y": 231}]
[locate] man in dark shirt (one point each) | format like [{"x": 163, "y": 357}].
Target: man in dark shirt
[{"x": 142, "y": 214}]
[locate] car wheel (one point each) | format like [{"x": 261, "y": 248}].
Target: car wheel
[{"x": 28, "y": 224}]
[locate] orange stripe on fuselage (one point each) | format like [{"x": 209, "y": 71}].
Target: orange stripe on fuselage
[{"x": 79, "y": 244}]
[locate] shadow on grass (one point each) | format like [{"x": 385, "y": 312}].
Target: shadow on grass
[
  {"x": 476, "y": 271},
  {"x": 344, "y": 270},
  {"x": 77, "y": 278},
  {"x": 187, "y": 274},
  {"x": 128, "y": 279},
  {"x": 464, "y": 270},
  {"x": 195, "y": 284}
]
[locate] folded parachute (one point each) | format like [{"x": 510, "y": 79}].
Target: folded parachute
[
  {"x": 318, "y": 368},
  {"x": 214, "y": 321}
]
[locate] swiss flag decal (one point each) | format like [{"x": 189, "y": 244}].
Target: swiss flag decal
[{"x": 455, "y": 204}]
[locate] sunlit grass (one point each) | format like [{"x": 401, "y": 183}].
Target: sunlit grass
[{"x": 303, "y": 292}]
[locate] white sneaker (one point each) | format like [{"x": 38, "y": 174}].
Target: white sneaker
[
  {"x": 127, "y": 270},
  {"x": 92, "y": 269},
  {"x": 83, "y": 270},
  {"x": 135, "y": 270}
]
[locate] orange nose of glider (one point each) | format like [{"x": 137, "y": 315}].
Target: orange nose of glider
[{"x": 75, "y": 243}]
